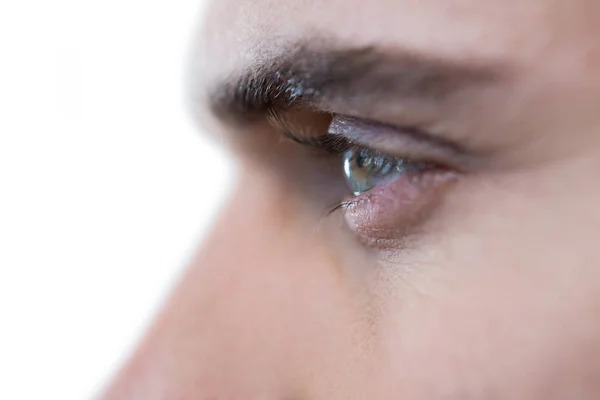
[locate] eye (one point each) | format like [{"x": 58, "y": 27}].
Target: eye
[{"x": 366, "y": 169}]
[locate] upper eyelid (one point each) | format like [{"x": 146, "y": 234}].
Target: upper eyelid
[
  {"x": 348, "y": 126},
  {"x": 410, "y": 144},
  {"x": 302, "y": 130}
]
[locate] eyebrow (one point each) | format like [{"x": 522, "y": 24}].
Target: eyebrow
[{"x": 329, "y": 77}]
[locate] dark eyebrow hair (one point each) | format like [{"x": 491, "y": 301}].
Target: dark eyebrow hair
[{"x": 301, "y": 76}]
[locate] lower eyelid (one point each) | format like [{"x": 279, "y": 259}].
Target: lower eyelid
[{"x": 394, "y": 210}]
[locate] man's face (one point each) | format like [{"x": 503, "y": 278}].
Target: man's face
[{"x": 466, "y": 265}]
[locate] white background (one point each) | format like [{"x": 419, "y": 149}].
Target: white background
[{"x": 106, "y": 186}]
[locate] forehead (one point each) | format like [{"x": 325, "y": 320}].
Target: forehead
[{"x": 520, "y": 31}]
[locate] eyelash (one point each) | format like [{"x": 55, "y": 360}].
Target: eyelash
[
  {"x": 305, "y": 135},
  {"x": 332, "y": 145}
]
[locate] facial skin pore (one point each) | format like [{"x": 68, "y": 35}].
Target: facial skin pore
[{"x": 476, "y": 279}]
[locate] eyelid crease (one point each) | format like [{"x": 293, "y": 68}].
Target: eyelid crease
[{"x": 357, "y": 129}]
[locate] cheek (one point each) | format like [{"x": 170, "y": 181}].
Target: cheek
[
  {"x": 498, "y": 307},
  {"x": 491, "y": 336}
]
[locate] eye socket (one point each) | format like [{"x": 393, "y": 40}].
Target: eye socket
[{"x": 388, "y": 194}]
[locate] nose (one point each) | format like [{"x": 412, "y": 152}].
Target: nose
[{"x": 262, "y": 307}]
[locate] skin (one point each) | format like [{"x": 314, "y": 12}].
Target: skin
[{"x": 498, "y": 294}]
